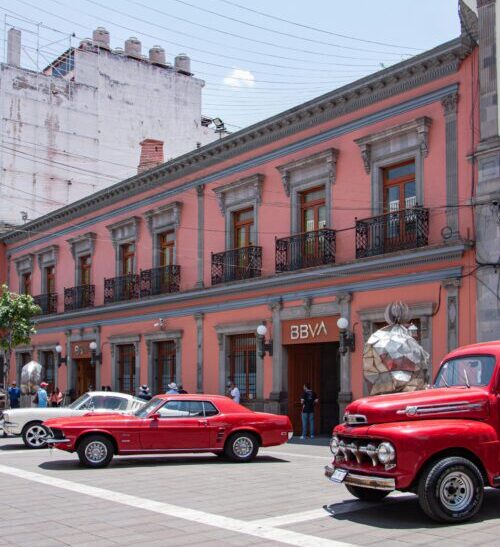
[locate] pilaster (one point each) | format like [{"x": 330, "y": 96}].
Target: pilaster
[
  {"x": 451, "y": 286},
  {"x": 200, "y": 192},
  {"x": 199, "y": 353},
  {"x": 345, "y": 394}
]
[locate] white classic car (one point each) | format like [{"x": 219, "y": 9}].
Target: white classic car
[{"x": 28, "y": 422}]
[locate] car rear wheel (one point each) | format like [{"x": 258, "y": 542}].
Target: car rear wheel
[
  {"x": 95, "y": 451},
  {"x": 241, "y": 447},
  {"x": 451, "y": 490},
  {"x": 366, "y": 494},
  {"x": 34, "y": 434}
]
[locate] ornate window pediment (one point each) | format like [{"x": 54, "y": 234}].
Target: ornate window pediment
[
  {"x": 166, "y": 216},
  {"x": 24, "y": 264},
  {"x": 47, "y": 256},
  {"x": 82, "y": 244},
  {"x": 124, "y": 231},
  {"x": 247, "y": 190},
  {"x": 414, "y": 134}
]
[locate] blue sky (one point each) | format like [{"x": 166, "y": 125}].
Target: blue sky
[{"x": 254, "y": 64}]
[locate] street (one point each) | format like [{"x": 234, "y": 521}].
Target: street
[{"x": 280, "y": 499}]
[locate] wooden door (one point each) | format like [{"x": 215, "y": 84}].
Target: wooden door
[
  {"x": 85, "y": 376},
  {"x": 304, "y": 366}
]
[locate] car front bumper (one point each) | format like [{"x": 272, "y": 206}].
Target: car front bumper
[{"x": 364, "y": 481}]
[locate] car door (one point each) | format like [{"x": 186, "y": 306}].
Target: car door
[{"x": 179, "y": 425}]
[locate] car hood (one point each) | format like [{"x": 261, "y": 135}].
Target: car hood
[
  {"x": 453, "y": 402},
  {"x": 90, "y": 420},
  {"x": 47, "y": 412}
]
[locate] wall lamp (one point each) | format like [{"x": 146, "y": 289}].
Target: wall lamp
[
  {"x": 346, "y": 337},
  {"x": 60, "y": 359},
  {"x": 94, "y": 356},
  {"x": 263, "y": 346}
]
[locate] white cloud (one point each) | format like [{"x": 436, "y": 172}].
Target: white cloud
[{"x": 240, "y": 78}]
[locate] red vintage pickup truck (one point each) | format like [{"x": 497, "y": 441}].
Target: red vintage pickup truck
[{"x": 442, "y": 444}]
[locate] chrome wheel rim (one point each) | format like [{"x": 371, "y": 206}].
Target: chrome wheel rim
[
  {"x": 36, "y": 435},
  {"x": 456, "y": 491},
  {"x": 243, "y": 447},
  {"x": 96, "y": 452}
]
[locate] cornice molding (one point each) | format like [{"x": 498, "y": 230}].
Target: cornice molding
[{"x": 402, "y": 77}]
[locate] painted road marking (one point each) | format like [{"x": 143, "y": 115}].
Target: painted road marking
[{"x": 226, "y": 523}]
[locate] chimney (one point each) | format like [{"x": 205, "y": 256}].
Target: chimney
[
  {"x": 151, "y": 154},
  {"x": 133, "y": 47},
  {"x": 157, "y": 56},
  {"x": 183, "y": 64},
  {"x": 14, "y": 47},
  {"x": 101, "y": 37}
]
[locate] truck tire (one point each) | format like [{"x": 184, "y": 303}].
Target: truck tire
[
  {"x": 33, "y": 433},
  {"x": 241, "y": 447},
  {"x": 367, "y": 494},
  {"x": 451, "y": 490},
  {"x": 95, "y": 451}
]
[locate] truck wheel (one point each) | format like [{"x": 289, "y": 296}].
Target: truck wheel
[
  {"x": 95, "y": 451},
  {"x": 33, "y": 435},
  {"x": 366, "y": 494},
  {"x": 241, "y": 447},
  {"x": 451, "y": 490}
]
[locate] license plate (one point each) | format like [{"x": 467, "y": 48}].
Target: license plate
[{"x": 338, "y": 475}]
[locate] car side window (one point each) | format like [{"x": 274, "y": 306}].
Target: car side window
[
  {"x": 181, "y": 409},
  {"x": 113, "y": 403},
  {"x": 210, "y": 409}
]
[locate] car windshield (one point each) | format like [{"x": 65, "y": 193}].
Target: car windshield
[
  {"x": 79, "y": 402},
  {"x": 466, "y": 371},
  {"x": 149, "y": 407}
]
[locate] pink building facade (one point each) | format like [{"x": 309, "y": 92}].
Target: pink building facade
[{"x": 333, "y": 209}]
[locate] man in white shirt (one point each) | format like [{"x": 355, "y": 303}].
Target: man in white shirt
[{"x": 234, "y": 392}]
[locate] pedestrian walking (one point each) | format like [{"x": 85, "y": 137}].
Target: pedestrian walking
[
  {"x": 56, "y": 398},
  {"x": 41, "y": 398},
  {"x": 144, "y": 393},
  {"x": 308, "y": 400},
  {"x": 14, "y": 395},
  {"x": 172, "y": 389},
  {"x": 234, "y": 392}
]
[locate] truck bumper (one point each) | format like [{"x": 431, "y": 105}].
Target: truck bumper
[{"x": 364, "y": 481}]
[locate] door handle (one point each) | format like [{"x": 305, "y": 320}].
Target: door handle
[{"x": 203, "y": 422}]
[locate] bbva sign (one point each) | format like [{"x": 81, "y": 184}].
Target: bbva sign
[{"x": 310, "y": 330}]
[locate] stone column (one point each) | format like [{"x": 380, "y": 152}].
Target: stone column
[
  {"x": 345, "y": 394},
  {"x": 451, "y": 286},
  {"x": 199, "y": 354},
  {"x": 70, "y": 372},
  {"x": 137, "y": 350},
  {"x": 98, "y": 364},
  {"x": 221, "y": 340},
  {"x": 280, "y": 384},
  {"x": 178, "y": 361},
  {"x": 450, "y": 114},
  {"x": 200, "y": 191}
]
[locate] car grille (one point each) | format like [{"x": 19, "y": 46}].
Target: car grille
[{"x": 361, "y": 451}]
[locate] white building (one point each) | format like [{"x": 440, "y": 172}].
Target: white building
[{"x": 76, "y": 127}]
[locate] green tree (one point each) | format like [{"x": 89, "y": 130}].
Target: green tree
[{"x": 16, "y": 324}]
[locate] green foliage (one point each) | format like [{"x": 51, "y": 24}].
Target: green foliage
[{"x": 16, "y": 318}]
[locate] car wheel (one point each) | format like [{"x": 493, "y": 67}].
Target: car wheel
[
  {"x": 33, "y": 435},
  {"x": 241, "y": 447},
  {"x": 95, "y": 451},
  {"x": 366, "y": 494},
  {"x": 451, "y": 490}
]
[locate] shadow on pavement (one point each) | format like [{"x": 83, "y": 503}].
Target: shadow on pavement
[
  {"x": 137, "y": 461},
  {"x": 403, "y": 513},
  {"x": 19, "y": 446}
]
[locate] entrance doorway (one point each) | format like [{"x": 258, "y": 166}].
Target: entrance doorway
[
  {"x": 318, "y": 365},
  {"x": 85, "y": 376}
]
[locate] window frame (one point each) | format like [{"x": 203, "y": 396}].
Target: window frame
[
  {"x": 247, "y": 224},
  {"x": 245, "y": 391},
  {"x": 314, "y": 205}
]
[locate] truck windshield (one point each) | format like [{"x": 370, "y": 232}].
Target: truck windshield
[{"x": 466, "y": 371}]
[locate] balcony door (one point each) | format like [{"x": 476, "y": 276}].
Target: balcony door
[
  {"x": 313, "y": 219},
  {"x": 126, "y": 368},
  {"x": 399, "y": 197},
  {"x": 166, "y": 248},
  {"x": 50, "y": 279},
  {"x": 243, "y": 227},
  {"x": 127, "y": 259}
]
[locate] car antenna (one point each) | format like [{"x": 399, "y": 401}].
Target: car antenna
[{"x": 466, "y": 379}]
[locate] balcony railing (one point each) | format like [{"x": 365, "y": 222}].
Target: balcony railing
[
  {"x": 165, "y": 279},
  {"x": 124, "y": 287},
  {"x": 305, "y": 250},
  {"x": 396, "y": 231},
  {"x": 48, "y": 302},
  {"x": 236, "y": 264},
  {"x": 79, "y": 297}
]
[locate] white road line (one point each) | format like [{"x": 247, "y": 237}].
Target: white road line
[
  {"x": 293, "y": 518},
  {"x": 226, "y": 523}
]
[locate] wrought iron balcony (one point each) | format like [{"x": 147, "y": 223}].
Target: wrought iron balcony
[
  {"x": 160, "y": 280},
  {"x": 396, "y": 231},
  {"x": 124, "y": 287},
  {"x": 48, "y": 302},
  {"x": 305, "y": 250},
  {"x": 79, "y": 297},
  {"x": 236, "y": 264}
]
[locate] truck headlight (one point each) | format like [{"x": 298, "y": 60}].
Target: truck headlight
[
  {"x": 386, "y": 452},
  {"x": 334, "y": 445}
]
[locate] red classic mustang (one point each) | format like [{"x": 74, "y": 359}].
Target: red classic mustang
[{"x": 171, "y": 423}]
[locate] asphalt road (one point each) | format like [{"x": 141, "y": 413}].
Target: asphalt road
[{"x": 282, "y": 498}]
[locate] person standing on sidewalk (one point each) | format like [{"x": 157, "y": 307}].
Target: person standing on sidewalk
[
  {"x": 308, "y": 400},
  {"x": 14, "y": 395}
]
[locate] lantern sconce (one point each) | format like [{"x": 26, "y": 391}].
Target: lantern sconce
[
  {"x": 346, "y": 338},
  {"x": 60, "y": 359},
  {"x": 263, "y": 346},
  {"x": 94, "y": 356}
]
